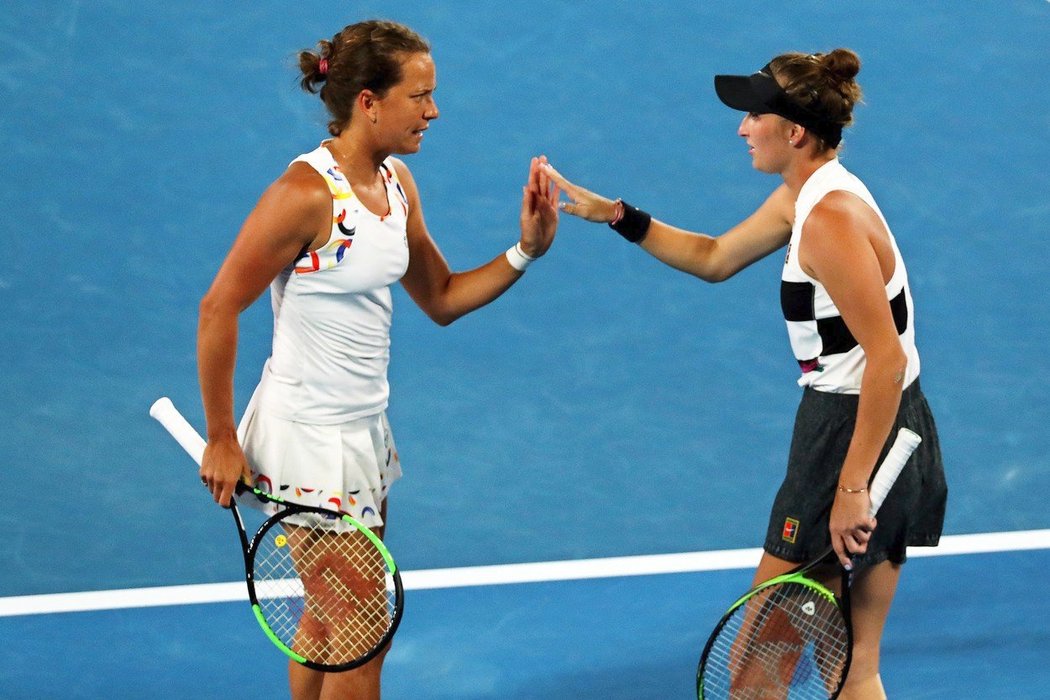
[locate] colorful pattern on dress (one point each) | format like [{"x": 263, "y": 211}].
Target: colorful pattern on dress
[
  {"x": 263, "y": 483},
  {"x": 388, "y": 175},
  {"x": 335, "y": 250},
  {"x": 313, "y": 497},
  {"x": 332, "y": 254},
  {"x": 337, "y": 183}
]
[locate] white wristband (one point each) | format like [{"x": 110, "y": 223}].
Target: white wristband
[{"x": 518, "y": 259}]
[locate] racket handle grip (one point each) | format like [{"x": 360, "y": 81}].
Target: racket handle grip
[
  {"x": 891, "y": 467},
  {"x": 173, "y": 421}
]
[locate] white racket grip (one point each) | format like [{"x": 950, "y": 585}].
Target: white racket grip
[
  {"x": 891, "y": 467},
  {"x": 168, "y": 416}
]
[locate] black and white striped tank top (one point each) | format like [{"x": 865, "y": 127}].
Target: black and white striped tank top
[{"x": 829, "y": 356}]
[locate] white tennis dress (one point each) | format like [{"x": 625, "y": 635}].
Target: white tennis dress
[{"x": 315, "y": 431}]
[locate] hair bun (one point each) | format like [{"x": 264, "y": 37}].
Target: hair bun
[
  {"x": 842, "y": 64},
  {"x": 363, "y": 56}
]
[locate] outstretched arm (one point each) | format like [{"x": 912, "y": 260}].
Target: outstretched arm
[
  {"x": 710, "y": 258},
  {"x": 445, "y": 295}
]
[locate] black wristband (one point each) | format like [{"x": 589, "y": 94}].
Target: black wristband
[{"x": 634, "y": 223}]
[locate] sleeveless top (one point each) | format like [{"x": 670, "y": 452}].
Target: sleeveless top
[
  {"x": 829, "y": 356},
  {"x": 332, "y": 309}
]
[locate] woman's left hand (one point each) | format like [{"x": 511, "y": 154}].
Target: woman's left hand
[
  {"x": 851, "y": 525},
  {"x": 539, "y": 210}
]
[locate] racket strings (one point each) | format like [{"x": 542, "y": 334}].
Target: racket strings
[
  {"x": 328, "y": 595},
  {"x": 788, "y": 640}
]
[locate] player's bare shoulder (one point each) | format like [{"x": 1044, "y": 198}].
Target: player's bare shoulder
[
  {"x": 305, "y": 185},
  {"x": 840, "y": 213},
  {"x": 295, "y": 208}
]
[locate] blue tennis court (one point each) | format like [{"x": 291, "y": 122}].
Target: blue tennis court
[
  {"x": 606, "y": 412},
  {"x": 622, "y": 638}
]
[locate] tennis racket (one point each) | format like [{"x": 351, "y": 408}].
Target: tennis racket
[
  {"x": 323, "y": 587},
  {"x": 790, "y": 636}
]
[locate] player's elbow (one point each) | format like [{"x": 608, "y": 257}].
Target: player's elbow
[
  {"x": 207, "y": 308},
  {"x": 715, "y": 274},
  {"x": 891, "y": 360},
  {"x": 440, "y": 313},
  {"x": 900, "y": 365},
  {"x": 711, "y": 270},
  {"x": 711, "y": 262},
  {"x": 212, "y": 307},
  {"x": 443, "y": 319},
  {"x": 434, "y": 298}
]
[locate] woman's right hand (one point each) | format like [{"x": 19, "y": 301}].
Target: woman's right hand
[
  {"x": 222, "y": 466},
  {"x": 850, "y": 525},
  {"x": 584, "y": 203}
]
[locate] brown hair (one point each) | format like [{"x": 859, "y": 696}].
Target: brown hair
[
  {"x": 366, "y": 55},
  {"x": 822, "y": 83}
]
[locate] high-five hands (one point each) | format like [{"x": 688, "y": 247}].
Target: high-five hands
[
  {"x": 583, "y": 203},
  {"x": 539, "y": 210}
]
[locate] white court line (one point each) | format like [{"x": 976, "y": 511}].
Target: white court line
[{"x": 689, "y": 562}]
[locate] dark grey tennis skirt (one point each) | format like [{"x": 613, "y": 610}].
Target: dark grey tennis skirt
[{"x": 913, "y": 513}]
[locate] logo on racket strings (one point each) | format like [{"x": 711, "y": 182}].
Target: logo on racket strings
[
  {"x": 809, "y": 607},
  {"x": 280, "y": 541}
]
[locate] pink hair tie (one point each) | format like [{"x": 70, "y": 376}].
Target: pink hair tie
[{"x": 322, "y": 66}]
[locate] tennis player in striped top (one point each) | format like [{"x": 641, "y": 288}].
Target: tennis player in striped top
[{"x": 851, "y": 326}]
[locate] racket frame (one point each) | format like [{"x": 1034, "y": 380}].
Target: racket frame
[
  {"x": 164, "y": 411},
  {"x": 249, "y": 548},
  {"x": 885, "y": 476},
  {"x": 799, "y": 575}
]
